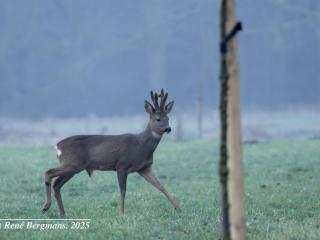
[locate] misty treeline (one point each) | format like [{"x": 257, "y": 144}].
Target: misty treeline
[{"x": 76, "y": 58}]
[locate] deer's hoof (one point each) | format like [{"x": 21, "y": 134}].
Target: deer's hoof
[
  {"x": 177, "y": 208},
  {"x": 46, "y": 207}
]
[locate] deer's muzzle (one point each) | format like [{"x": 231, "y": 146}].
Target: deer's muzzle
[{"x": 167, "y": 130}]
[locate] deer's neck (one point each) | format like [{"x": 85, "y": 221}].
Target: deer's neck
[{"x": 150, "y": 139}]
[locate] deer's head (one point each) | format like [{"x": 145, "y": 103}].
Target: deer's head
[{"x": 159, "y": 121}]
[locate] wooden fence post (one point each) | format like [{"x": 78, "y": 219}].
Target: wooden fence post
[{"x": 231, "y": 168}]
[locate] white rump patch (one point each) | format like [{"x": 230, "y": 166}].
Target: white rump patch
[
  {"x": 59, "y": 152},
  {"x": 156, "y": 135}
]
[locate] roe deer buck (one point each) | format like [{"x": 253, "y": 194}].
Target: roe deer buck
[{"x": 124, "y": 153}]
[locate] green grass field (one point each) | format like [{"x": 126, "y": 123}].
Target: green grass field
[{"x": 282, "y": 184}]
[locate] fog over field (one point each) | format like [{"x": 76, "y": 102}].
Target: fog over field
[
  {"x": 256, "y": 126},
  {"x": 67, "y": 59}
]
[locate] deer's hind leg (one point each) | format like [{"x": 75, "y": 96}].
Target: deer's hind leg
[
  {"x": 49, "y": 174},
  {"x": 57, "y": 185}
]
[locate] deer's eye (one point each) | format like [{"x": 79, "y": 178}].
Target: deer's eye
[{"x": 158, "y": 119}]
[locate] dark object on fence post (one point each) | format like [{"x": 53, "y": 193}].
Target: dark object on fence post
[
  {"x": 230, "y": 127},
  {"x": 226, "y": 40}
]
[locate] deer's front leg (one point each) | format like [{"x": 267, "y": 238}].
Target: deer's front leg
[
  {"x": 148, "y": 175},
  {"x": 122, "y": 179}
]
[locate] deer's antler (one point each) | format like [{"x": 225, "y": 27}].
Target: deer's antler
[
  {"x": 154, "y": 98},
  {"x": 163, "y": 97}
]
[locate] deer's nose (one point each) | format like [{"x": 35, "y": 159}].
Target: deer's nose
[{"x": 168, "y": 129}]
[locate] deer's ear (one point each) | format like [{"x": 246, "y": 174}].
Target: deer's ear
[
  {"x": 168, "y": 107},
  {"x": 148, "y": 107}
]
